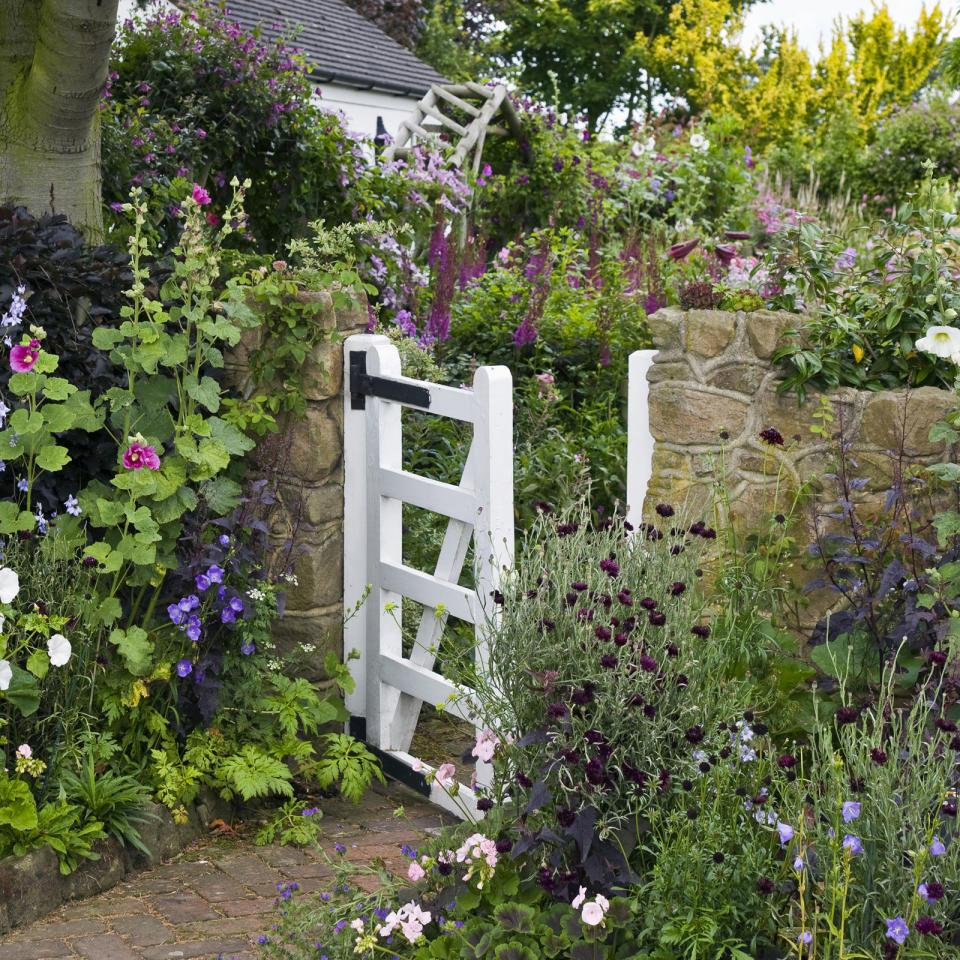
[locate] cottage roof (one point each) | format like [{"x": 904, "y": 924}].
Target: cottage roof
[{"x": 342, "y": 46}]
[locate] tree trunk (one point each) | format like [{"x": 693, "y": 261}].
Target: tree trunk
[{"x": 52, "y": 70}]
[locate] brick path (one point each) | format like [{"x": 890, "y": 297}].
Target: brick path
[{"x": 216, "y": 896}]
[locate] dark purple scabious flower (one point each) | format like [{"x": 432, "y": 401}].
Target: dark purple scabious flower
[
  {"x": 847, "y": 715},
  {"x": 581, "y": 696},
  {"x": 772, "y": 436},
  {"x": 601, "y": 632},
  {"x": 657, "y": 618},
  {"x": 673, "y": 650},
  {"x": 694, "y": 734},
  {"x": 504, "y": 845},
  {"x": 648, "y": 603},
  {"x": 556, "y": 711},
  {"x": 595, "y": 771},
  {"x": 565, "y": 817},
  {"x": 648, "y": 664},
  {"x": 948, "y": 726},
  {"x": 787, "y": 761},
  {"x": 765, "y": 885},
  {"x": 927, "y": 926},
  {"x": 700, "y": 630},
  {"x": 484, "y": 804},
  {"x": 664, "y": 510},
  {"x": 878, "y": 756},
  {"x": 649, "y": 711},
  {"x": 608, "y": 661},
  {"x": 931, "y": 891},
  {"x": 677, "y": 587},
  {"x": 524, "y": 780},
  {"x": 546, "y": 880}
]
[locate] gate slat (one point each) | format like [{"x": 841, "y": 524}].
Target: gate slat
[
  {"x": 419, "y": 586},
  {"x": 429, "y": 494}
]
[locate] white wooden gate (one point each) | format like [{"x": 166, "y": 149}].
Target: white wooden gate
[{"x": 390, "y": 687}]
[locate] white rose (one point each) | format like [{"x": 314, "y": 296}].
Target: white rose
[
  {"x": 58, "y": 646},
  {"x": 9, "y": 585},
  {"x": 940, "y": 341},
  {"x": 6, "y": 674}
]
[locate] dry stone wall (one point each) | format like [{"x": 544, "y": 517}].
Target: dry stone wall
[
  {"x": 714, "y": 373},
  {"x": 312, "y": 483}
]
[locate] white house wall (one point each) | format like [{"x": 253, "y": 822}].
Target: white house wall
[{"x": 362, "y": 107}]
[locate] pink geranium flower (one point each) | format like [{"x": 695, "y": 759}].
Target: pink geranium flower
[
  {"x": 22, "y": 358},
  {"x": 444, "y": 775},
  {"x": 200, "y": 195},
  {"x": 137, "y": 456}
]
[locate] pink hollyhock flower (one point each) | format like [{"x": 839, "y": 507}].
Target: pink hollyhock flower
[
  {"x": 444, "y": 775},
  {"x": 22, "y": 358},
  {"x": 415, "y": 872},
  {"x": 137, "y": 456},
  {"x": 213, "y": 219},
  {"x": 200, "y": 195}
]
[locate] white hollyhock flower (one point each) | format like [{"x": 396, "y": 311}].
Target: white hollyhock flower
[
  {"x": 58, "y": 646},
  {"x": 940, "y": 341},
  {"x": 699, "y": 142},
  {"x": 6, "y": 674},
  {"x": 9, "y": 584}
]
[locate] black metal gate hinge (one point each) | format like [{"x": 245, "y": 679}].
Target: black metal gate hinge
[{"x": 363, "y": 385}]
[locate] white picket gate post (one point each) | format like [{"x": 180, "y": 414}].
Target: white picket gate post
[
  {"x": 390, "y": 688},
  {"x": 639, "y": 438}
]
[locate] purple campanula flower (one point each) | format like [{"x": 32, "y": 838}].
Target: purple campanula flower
[
  {"x": 851, "y": 810},
  {"x": 176, "y": 614},
  {"x": 805, "y": 937},
  {"x": 247, "y": 648},
  {"x": 227, "y": 615},
  {"x": 853, "y": 844},
  {"x": 189, "y": 603},
  {"x": 897, "y": 930},
  {"x": 937, "y": 849},
  {"x": 184, "y": 668},
  {"x": 193, "y": 628},
  {"x": 202, "y": 581},
  {"x": 786, "y": 833},
  {"x": 236, "y": 604},
  {"x": 215, "y": 573},
  {"x": 224, "y": 540}
]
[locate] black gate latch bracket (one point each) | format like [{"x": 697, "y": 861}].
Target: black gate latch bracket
[{"x": 363, "y": 385}]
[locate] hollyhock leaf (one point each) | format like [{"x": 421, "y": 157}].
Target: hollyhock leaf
[
  {"x": 53, "y": 457},
  {"x": 221, "y": 494},
  {"x": 23, "y": 692},
  {"x": 18, "y": 809},
  {"x": 206, "y": 392},
  {"x": 38, "y": 663},
  {"x": 234, "y": 440},
  {"x": 136, "y": 648}
]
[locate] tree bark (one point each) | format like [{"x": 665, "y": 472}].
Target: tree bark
[{"x": 52, "y": 71}]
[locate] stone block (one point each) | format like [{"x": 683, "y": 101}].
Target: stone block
[
  {"x": 319, "y": 569},
  {"x": 324, "y": 503},
  {"x": 323, "y": 629},
  {"x": 709, "y": 332},
  {"x": 738, "y": 376},
  {"x": 794, "y": 421},
  {"x": 316, "y": 447},
  {"x": 666, "y": 328},
  {"x": 659, "y": 372},
  {"x": 682, "y": 413},
  {"x": 896, "y": 416},
  {"x": 766, "y": 331}
]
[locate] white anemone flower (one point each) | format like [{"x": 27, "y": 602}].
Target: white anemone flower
[
  {"x": 58, "y": 646},
  {"x": 940, "y": 341},
  {"x": 9, "y": 584},
  {"x": 6, "y": 674}
]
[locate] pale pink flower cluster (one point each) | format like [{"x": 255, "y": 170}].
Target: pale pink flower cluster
[
  {"x": 409, "y": 918},
  {"x": 415, "y": 871},
  {"x": 487, "y": 740},
  {"x": 480, "y": 854},
  {"x": 594, "y": 910}
]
